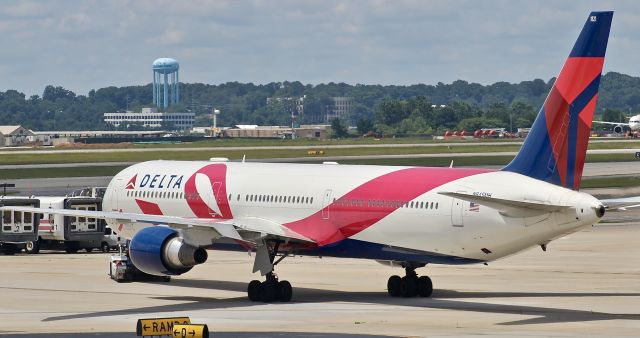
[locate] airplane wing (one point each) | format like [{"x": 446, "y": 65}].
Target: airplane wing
[
  {"x": 621, "y": 204},
  {"x": 611, "y": 123},
  {"x": 245, "y": 229}
]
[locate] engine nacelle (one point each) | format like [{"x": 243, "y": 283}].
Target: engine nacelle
[
  {"x": 159, "y": 251},
  {"x": 618, "y": 129}
]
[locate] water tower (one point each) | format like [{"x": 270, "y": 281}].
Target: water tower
[{"x": 165, "y": 85}]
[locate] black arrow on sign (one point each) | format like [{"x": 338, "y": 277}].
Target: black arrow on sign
[
  {"x": 145, "y": 327},
  {"x": 175, "y": 333},
  {"x": 193, "y": 333}
]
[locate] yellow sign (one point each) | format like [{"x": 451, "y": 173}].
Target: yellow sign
[
  {"x": 191, "y": 331},
  {"x": 159, "y": 326}
]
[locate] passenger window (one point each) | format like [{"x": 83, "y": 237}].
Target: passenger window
[
  {"x": 311, "y": 200},
  {"x": 28, "y": 217},
  {"x": 436, "y": 205},
  {"x": 17, "y": 217}
]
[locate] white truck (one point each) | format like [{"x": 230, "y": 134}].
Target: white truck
[
  {"x": 17, "y": 228},
  {"x": 57, "y": 232}
]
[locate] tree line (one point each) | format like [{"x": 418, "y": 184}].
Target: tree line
[{"x": 391, "y": 110}]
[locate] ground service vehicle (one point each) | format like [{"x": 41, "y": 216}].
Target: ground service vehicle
[
  {"x": 68, "y": 233},
  {"x": 121, "y": 269},
  {"x": 17, "y": 228}
]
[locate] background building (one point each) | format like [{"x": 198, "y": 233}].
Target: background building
[
  {"x": 340, "y": 108},
  {"x": 15, "y": 136},
  {"x": 255, "y": 131},
  {"x": 166, "y": 82},
  {"x": 152, "y": 118}
]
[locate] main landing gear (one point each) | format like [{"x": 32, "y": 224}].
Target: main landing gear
[
  {"x": 271, "y": 289},
  {"x": 410, "y": 285}
]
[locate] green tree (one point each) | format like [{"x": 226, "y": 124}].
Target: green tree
[
  {"x": 339, "y": 128},
  {"x": 364, "y": 126}
]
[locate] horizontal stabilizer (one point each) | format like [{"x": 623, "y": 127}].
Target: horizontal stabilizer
[
  {"x": 621, "y": 204},
  {"x": 502, "y": 203}
]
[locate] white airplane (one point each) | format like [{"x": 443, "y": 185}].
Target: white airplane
[
  {"x": 634, "y": 124},
  {"x": 410, "y": 216}
]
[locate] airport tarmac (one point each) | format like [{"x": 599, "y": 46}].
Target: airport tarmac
[
  {"x": 53, "y": 150},
  {"x": 585, "y": 285}
]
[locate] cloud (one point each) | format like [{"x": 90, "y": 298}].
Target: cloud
[{"x": 91, "y": 44}]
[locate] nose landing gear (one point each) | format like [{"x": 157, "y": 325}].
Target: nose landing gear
[{"x": 411, "y": 285}]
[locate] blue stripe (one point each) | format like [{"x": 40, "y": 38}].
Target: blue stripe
[
  {"x": 593, "y": 38},
  {"x": 352, "y": 248},
  {"x": 574, "y": 118}
]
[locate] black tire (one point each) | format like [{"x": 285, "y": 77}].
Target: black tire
[
  {"x": 409, "y": 287},
  {"x": 71, "y": 248},
  {"x": 10, "y": 249},
  {"x": 104, "y": 247},
  {"x": 285, "y": 291},
  {"x": 253, "y": 290},
  {"x": 268, "y": 291},
  {"x": 88, "y": 250},
  {"x": 32, "y": 248},
  {"x": 425, "y": 286},
  {"x": 393, "y": 286}
]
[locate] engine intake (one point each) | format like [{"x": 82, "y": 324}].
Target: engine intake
[{"x": 160, "y": 251}]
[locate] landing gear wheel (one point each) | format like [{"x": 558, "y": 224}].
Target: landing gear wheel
[
  {"x": 409, "y": 286},
  {"x": 32, "y": 247},
  {"x": 253, "y": 290},
  {"x": 284, "y": 291},
  {"x": 268, "y": 291},
  {"x": 104, "y": 247},
  {"x": 425, "y": 286},
  {"x": 271, "y": 289},
  {"x": 88, "y": 250},
  {"x": 393, "y": 286}
]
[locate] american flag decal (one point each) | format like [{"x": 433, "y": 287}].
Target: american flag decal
[{"x": 474, "y": 207}]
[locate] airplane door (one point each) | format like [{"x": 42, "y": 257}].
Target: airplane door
[
  {"x": 326, "y": 203},
  {"x": 119, "y": 188},
  {"x": 456, "y": 212}
]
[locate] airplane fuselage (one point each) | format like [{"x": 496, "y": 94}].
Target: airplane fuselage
[{"x": 378, "y": 212}]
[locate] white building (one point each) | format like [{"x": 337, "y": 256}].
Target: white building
[
  {"x": 15, "y": 136},
  {"x": 150, "y": 117},
  {"x": 340, "y": 108}
]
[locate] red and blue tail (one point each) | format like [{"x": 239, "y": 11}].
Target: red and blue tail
[{"x": 555, "y": 149}]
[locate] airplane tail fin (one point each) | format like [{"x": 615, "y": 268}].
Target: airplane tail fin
[{"x": 556, "y": 147}]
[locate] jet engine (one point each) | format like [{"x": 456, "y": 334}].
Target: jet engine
[
  {"x": 618, "y": 129},
  {"x": 159, "y": 251}
]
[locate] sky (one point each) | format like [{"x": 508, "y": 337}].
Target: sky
[{"x": 84, "y": 45}]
